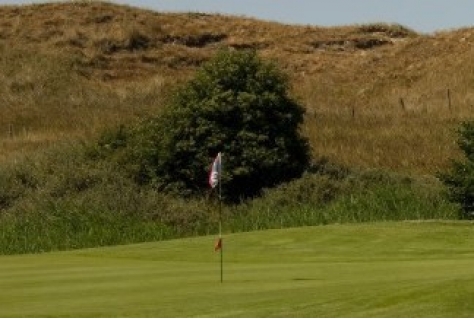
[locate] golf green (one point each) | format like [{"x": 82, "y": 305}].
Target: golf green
[{"x": 406, "y": 269}]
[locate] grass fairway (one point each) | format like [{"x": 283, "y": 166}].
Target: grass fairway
[{"x": 410, "y": 269}]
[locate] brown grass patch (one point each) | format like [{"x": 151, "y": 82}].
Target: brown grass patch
[{"x": 376, "y": 94}]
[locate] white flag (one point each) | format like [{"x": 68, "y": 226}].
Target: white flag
[{"x": 215, "y": 172}]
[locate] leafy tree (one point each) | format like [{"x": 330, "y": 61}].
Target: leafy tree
[
  {"x": 236, "y": 104},
  {"x": 460, "y": 179}
]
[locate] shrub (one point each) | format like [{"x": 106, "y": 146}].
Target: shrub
[
  {"x": 236, "y": 104},
  {"x": 459, "y": 180}
]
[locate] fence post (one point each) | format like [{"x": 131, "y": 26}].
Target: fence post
[
  {"x": 449, "y": 99},
  {"x": 402, "y": 104}
]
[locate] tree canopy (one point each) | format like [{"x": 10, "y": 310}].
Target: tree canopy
[
  {"x": 460, "y": 178},
  {"x": 236, "y": 104}
]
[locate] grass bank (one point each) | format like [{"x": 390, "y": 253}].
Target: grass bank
[{"x": 66, "y": 199}]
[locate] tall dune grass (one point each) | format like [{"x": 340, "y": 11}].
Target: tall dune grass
[
  {"x": 367, "y": 196},
  {"x": 45, "y": 101},
  {"x": 94, "y": 64},
  {"x": 67, "y": 199}
]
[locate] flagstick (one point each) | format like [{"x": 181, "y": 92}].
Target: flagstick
[
  {"x": 220, "y": 238},
  {"x": 220, "y": 223},
  {"x": 215, "y": 178}
]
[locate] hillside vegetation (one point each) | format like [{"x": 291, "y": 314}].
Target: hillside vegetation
[
  {"x": 376, "y": 95},
  {"x": 381, "y": 102}
]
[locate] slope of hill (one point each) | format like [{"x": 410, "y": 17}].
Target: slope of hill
[
  {"x": 377, "y": 95},
  {"x": 118, "y": 42}
]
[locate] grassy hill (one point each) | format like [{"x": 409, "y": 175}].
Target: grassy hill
[
  {"x": 382, "y": 105},
  {"x": 421, "y": 269},
  {"x": 376, "y": 95}
]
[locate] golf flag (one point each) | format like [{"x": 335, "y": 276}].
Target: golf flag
[
  {"x": 214, "y": 180},
  {"x": 218, "y": 244},
  {"x": 215, "y": 172}
]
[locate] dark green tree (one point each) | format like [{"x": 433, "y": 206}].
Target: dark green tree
[
  {"x": 236, "y": 104},
  {"x": 459, "y": 180}
]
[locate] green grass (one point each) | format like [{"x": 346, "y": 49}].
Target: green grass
[
  {"x": 404, "y": 269},
  {"x": 64, "y": 199}
]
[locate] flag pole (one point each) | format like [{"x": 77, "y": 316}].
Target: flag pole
[
  {"x": 220, "y": 221},
  {"x": 215, "y": 179}
]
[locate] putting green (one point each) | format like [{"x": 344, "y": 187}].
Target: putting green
[{"x": 408, "y": 269}]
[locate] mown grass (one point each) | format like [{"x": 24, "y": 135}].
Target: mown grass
[{"x": 404, "y": 269}]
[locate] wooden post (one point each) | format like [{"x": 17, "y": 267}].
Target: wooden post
[
  {"x": 449, "y": 99},
  {"x": 10, "y": 131},
  {"x": 402, "y": 104},
  {"x": 353, "y": 112}
]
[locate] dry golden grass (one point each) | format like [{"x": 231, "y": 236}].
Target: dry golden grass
[{"x": 71, "y": 69}]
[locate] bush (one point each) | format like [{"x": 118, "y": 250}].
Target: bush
[
  {"x": 236, "y": 104},
  {"x": 459, "y": 180}
]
